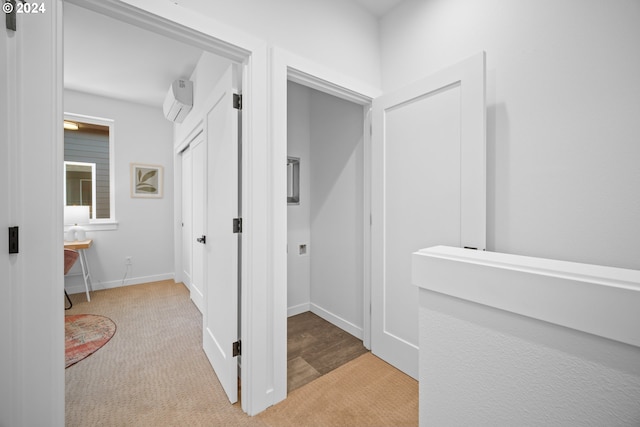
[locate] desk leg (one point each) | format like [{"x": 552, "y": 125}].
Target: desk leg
[{"x": 86, "y": 275}]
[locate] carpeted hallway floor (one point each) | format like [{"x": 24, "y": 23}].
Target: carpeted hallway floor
[{"x": 153, "y": 372}]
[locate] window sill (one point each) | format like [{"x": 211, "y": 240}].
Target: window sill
[{"x": 98, "y": 226}]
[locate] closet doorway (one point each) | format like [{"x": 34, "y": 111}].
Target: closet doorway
[{"x": 325, "y": 233}]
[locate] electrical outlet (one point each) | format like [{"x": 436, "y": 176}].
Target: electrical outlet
[{"x": 128, "y": 260}]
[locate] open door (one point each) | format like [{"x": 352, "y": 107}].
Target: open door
[
  {"x": 428, "y": 188},
  {"x": 220, "y": 315}
]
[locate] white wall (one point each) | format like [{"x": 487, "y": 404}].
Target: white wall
[
  {"x": 335, "y": 33},
  {"x": 337, "y": 211},
  {"x": 562, "y": 95},
  {"x": 145, "y": 226},
  {"x": 299, "y": 216}
]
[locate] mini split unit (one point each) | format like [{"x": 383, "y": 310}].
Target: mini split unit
[{"x": 178, "y": 101}]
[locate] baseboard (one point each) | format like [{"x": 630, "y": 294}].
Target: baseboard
[
  {"x": 298, "y": 309},
  {"x": 345, "y": 325},
  {"x": 97, "y": 286}
]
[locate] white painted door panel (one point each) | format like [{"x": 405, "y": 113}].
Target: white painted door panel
[
  {"x": 220, "y": 315},
  {"x": 187, "y": 236},
  {"x": 198, "y": 215},
  {"x": 428, "y": 188}
]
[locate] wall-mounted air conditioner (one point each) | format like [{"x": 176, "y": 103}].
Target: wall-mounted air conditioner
[{"x": 178, "y": 101}]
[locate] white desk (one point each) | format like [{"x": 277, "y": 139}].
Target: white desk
[{"x": 81, "y": 246}]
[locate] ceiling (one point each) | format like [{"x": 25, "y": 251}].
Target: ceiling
[
  {"x": 104, "y": 56},
  {"x": 107, "y": 57}
]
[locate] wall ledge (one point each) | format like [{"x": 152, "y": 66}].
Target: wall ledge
[{"x": 599, "y": 300}]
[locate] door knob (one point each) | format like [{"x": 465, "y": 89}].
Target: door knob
[{"x": 202, "y": 239}]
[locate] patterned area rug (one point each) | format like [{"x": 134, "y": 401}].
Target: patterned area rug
[{"x": 84, "y": 335}]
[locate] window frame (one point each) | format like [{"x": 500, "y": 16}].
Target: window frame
[{"x": 102, "y": 223}]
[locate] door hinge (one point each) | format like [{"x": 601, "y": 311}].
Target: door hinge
[
  {"x": 236, "y": 349},
  {"x": 237, "y": 225},
  {"x": 237, "y": 101},
  {"x": 13, "y": 240},
  {"x": 9, "y": 8}
]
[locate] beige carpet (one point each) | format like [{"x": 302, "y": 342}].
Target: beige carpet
[
  {"x": 153, "y": 372},
  {"x": 364, "y": 392}
]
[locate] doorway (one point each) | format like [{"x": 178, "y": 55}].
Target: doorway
[
  {"x": 205, "y": 69},
  {"x": 325, "y": 231}
]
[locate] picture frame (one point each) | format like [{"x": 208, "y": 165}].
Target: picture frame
[{"x": 147, "y": 181}]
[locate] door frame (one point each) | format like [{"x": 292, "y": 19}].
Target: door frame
[
  {"x": 208, "y": 34},
  {"x": 286, "y": 66},
  {"x": 32, "y": 356}
]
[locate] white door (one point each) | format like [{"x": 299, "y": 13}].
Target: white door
[
  {"x": 220, "y": 314},
  {"x": 198, "y": 224},
  {"x": 428, "y": 188},
  {"x": 187, "y": 237}
]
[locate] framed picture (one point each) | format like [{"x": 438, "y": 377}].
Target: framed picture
[{"x": 146, "y": 181}]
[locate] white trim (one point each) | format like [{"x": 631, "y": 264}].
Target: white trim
[
  {"x": 320, "y": 84},
  {"x": 595, "y": 299},
  {"x": 338, "y": 321},
  {"x": 308, "y": 73},
  {"x": 367, "y": 224},
  {"x": 97, "y": 226},
  {"x": 298, "y": 309},
  {"x": 191, "y": 135},
  {"x": 79, "y": 288}
]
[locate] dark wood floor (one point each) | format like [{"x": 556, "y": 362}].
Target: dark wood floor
[{"x": 315, "y": 347}]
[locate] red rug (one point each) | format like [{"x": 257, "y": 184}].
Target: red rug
[{"x": 84, "y": 335}]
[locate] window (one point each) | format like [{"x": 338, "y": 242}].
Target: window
[{"x": 89, "y": 168}]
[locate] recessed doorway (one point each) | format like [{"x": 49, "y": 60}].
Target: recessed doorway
[{"x": 325, "y": 232}]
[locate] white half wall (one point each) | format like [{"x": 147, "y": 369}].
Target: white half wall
[
  {"x": 145, "y": 226},
  {"x": 337, "y": 199},
  {"x": 513, "y": 340},
  {"x": 299, "y": 216},
  {"x": 562, "y": 129}
]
